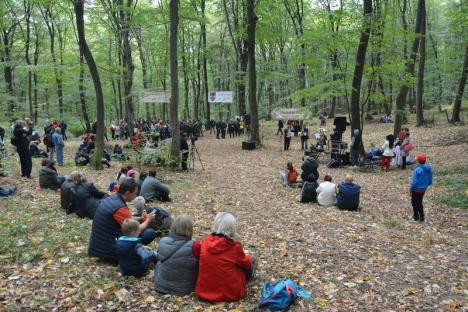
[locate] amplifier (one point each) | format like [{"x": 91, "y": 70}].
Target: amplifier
[{"x": 248, "y": 145}]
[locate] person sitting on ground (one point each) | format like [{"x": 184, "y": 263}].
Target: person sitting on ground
[
  {"x": 326, "y": 192},
  {"x": 176, "y": 271},
  {"x": 162, "y": 220},
  {"x": 141, "y": 179},
  {"x": 81, "y": 157},
  {"x": 224, "y": 268},
  {"x": 48, "y": 176},
  {"x": 67, "y": 199},
  {"x": 36, "y": 151},
  {"x": 289, "y": 176},
  {"x": 108, "y": 219},
  {"x": 87, "y": 196},
  {"x": 5, "y": 191},
  {"x": 310, "y": 165},
  {"x": 117, "y": 149},
  {"x": 121, "y": 176},
  {"x": 347, "y": 194},
  {"x": 308, "y": 193},
  {"x": 153, "y": 189},
  {"x": 134, "y": 257}
]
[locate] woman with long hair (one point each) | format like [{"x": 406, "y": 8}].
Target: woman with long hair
[{"x": 388, "y": 153}]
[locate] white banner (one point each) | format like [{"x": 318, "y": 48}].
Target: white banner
[
  {"x": 289, "y": 114},
  {"x": 220, "y": 97},
  {"x": 155, "y": 97}
]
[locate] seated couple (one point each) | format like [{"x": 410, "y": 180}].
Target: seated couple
[
  {"x": 80, "y": 196},
  {"x": 289, "y": 176},
  {"x": 345, "y": 195}
]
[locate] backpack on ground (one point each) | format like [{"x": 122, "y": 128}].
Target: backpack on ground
[{"x": 279, "y": 296}]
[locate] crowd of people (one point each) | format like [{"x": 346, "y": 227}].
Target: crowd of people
[{"x": 216, "y": 268}]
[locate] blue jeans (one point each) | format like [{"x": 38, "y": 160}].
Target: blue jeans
[
  {"x": 59, "y": 151},
  {"x": 147, "y": 236},
  {"x": 4, "y": 192}
]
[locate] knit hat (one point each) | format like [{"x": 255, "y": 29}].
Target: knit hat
[
  {"x": 421, "y": 158},
  {"x": 131, "y": 173}
]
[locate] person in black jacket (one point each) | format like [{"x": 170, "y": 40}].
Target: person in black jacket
[
  {"x": 354, "y": 148},
  {"x": 184, "y": 150},
  {"x": 308, "y": 193},
  {"x": 21, "y": 139},
  {"x": 310, "y": 165},
  {"x": 86, "y": 195}
]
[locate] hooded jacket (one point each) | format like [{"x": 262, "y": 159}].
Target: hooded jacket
[
  {"x": 221, "y": 275},
  {"x": 48, "y": 178},
  {"x": 88, "y": 198},
  {"x": 422, "y": 178},
  {"x": 134, "y": 258}
]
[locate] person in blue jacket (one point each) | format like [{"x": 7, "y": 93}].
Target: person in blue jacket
[
  {"x": 347, "y": 194},
  {"x": 134, "y": 257},
  {"x": 422, "y": 180}
]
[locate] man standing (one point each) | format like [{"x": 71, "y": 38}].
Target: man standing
[
  {"x": 422, "y": 180},
  {"x": 354, "y": 148},
  {"x": 59, "y": 145},
  {"x": 280, "y": 127},
  {"x": 108, "y": 219}
]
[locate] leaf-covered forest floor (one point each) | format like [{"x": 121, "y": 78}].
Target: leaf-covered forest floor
[{"x": 371, "y": 260}]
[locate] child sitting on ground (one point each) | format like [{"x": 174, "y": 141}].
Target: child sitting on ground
[
  {"x": 134, "y": 257},
  {"x": 289, "y": 176},
  {"x": 162, "y": 221}
]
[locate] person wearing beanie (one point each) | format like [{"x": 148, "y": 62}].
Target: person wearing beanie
[{"x": 422, "y": 180}]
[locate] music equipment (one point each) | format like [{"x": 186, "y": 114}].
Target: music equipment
[
  {"x": 248, "y": 145},
  {"x": 340, "y": 124}
]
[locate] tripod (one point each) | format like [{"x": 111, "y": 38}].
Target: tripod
[{"x": 193, "y": 155}]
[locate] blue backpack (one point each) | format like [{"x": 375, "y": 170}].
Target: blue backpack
[{"x": 279, "y": 296}]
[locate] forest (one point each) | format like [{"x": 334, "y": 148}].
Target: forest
[{"x": 361, "y": 58}]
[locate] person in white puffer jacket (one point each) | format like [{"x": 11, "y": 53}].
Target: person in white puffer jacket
[{"x": 326, "y": 192}]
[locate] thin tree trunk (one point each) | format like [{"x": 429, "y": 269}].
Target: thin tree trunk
[
  {"x": 359, "y": 70},
  {"x": 409, "y": 71},
  {"x": 251, "y": 25},
  {"x": 81, "y": 88},
  {"x": 128, "y": 65},
  {"x": 461, "y": 89},
  {"x": 98, "y": 151},
  {"x": 422, "y": 62},
  {"x": 204, "y": 63},
  {"x": 174, "y": 17}
]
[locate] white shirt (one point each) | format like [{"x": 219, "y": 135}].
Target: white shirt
[
  {"x": 387, "y": 151},
  {"x": 326, "y": 194}
]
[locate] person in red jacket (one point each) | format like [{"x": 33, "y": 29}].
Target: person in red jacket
[{"x": 224, "y": 268}]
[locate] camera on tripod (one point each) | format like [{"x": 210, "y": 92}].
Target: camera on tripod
[{"x": 193, "y": 138}]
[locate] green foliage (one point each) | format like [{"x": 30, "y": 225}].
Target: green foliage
[{"x": 454, "y": 181}]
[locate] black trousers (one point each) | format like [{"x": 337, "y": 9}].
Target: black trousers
[
  {"x": 26, "y": 162},
  {"x": 418, "y": 209},
  {"x": 403, "y": 162},
  {"x": 223, "y": 133},
  {"x": 287, "y": 142},
  {"x": 280, "y": 130},
  {"x": 184, "y": 160}
]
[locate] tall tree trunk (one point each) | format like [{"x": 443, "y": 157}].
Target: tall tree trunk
[
  {"x": 461, "y": 89},
  {"x": 128, "y": 65},
  {"x": 27, "y": 43},
  {"x": 440, "y": 91},
  {"x": 144, "y": 68},
  {"x": 98, "y": 150},
  {"x": 174, "y": 16},
  {"x": 422, "y": 62},
  {"x": 204, "y": 63},
  {"x": 409, "y": 72},
  {"x": 81, "y": 88},
  {"x": 7, "y": 68},
  {"x": 359, "y": 69},
  {"x": 251, "y": 25}
]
